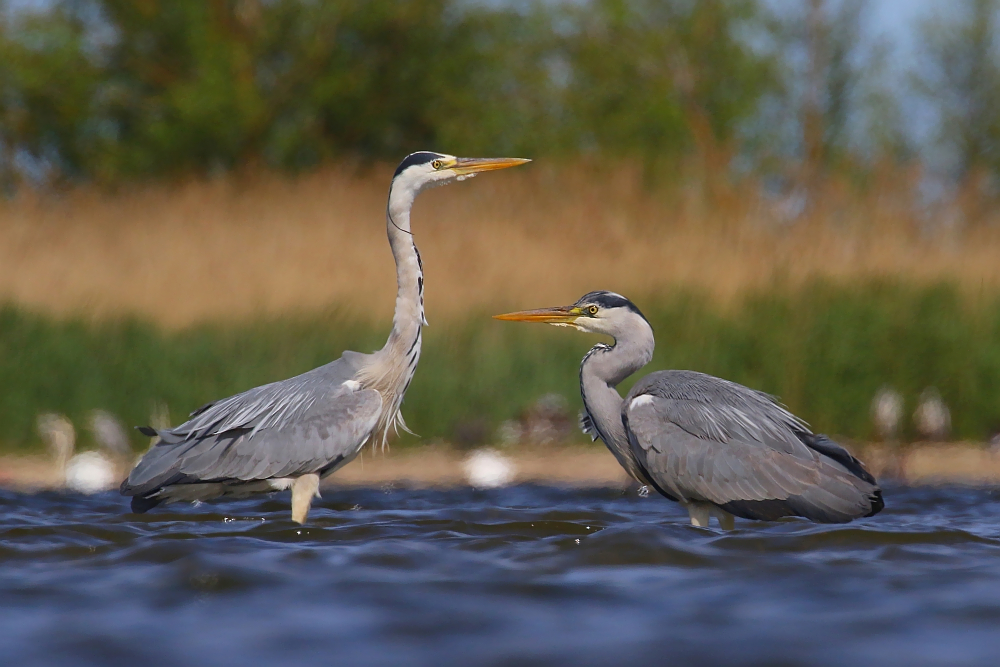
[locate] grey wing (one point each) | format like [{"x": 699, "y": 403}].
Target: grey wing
[
  {"x": 268, "y": 406},
  {"x": 309, "y": 423},
  {"x": 704, "y": 439}
]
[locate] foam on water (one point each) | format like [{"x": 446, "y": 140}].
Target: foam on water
[{"x": 519, "y": 575}]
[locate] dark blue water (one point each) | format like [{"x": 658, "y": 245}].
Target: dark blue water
[{"x": 518, "y": 576}]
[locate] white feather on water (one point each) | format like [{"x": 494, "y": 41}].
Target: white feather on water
[
  {"x": 488, "y": 469},
  {"x": 90, "y": 472}
]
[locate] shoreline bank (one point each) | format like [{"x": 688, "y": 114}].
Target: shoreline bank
[{"x": 441, "y": 466}]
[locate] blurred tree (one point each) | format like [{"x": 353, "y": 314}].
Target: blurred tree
[
  {"x": 185, "y": 84},
  {"x": 654, "y": 79},
  {"x": 960, "y": 78},
  {"x": 47, "y": 83},
  {"x": 836, "y": 110},
  {"x": 208, "y": 84},
  {"x": 113, "y": 89}
]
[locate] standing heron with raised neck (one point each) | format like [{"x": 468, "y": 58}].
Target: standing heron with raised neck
[
  {"x": 717, "y": 447},
  {"x": 291, "y": 434}
]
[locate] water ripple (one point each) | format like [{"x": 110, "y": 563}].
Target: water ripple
[{"x": 524, "y": 575}]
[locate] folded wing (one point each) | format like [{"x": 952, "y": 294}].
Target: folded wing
[
  {"x": 703, "y": 439},
  {"x": 306, "y": 424}
]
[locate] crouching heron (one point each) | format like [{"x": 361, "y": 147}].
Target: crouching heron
[
  {"x": 290, "y": 434},
  {"x": 717, "y": 447}
]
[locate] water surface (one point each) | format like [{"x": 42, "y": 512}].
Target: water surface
[{"x": 517, "y": 576}]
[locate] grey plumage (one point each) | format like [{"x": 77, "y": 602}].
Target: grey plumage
[
  {"x": 290, "y": 434},
  {"x": 703, "y": 439},
  {"x": 587, "y": 426},
  {"x": 311, "y": 423},
  {"x": 717, "y": 447}
]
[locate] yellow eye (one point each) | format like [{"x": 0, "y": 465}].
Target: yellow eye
[
  {"x": 592, "y": 310},
  {"x": 437, "y": 164}
]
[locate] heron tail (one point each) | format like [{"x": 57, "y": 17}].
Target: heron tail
[
  {"x": 877, "y": 503},
  {"x": 142, "y": 504}
]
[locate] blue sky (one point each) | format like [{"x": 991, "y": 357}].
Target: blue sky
[{"x": 898, "y": 19}]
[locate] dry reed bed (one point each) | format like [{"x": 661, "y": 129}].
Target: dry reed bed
[{"x": 262, "y": 244}]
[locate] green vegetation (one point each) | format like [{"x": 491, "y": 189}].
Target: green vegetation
[
  {"x": 111, "y": 89},
  {"x": 824, "y": 350}
]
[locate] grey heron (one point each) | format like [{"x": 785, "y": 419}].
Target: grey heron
[
  {"x": 290, "y": 434},
  {"x": 717, "y": 447},
  {"x": 932, "y": 416},
  {"x": 887, "y": 413}
]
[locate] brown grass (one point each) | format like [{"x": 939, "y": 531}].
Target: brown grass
[{"x": 246, "y": 245}]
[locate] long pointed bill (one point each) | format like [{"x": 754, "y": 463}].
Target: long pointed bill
[
  {"x": 473, "y": 165},
  {"x": 564, "y": 315}
]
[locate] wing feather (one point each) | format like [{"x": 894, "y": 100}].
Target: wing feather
[
  {"x": 301, "y": 425},
  {"x": 587, "y": 425},
  {"x": 709, "y": 440}
]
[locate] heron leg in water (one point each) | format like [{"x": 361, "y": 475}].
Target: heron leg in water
[
  {"x": 303, "y": 490},
  {"x": 726, "y": 520},
  {"x": 701, "y": 514}
]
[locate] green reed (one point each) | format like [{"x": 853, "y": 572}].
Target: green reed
[{"x": 825, "y": 350}]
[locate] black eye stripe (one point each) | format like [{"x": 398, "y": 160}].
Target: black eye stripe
[
  {"x": 422, "y": 157},
  {"x": 608, "y": 300}
]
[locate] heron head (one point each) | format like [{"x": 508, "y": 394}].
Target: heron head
[
  {"x": 425, "y": 169},
  {"x": 597, "y": 312}
]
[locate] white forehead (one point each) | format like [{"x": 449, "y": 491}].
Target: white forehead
[{"x": 421, "y": 174}]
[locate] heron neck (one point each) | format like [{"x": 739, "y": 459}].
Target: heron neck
[
  {"x": 408, "y": 317},
  {"x": 390, "y": 370},
  {"x": 602, "y": 370}
]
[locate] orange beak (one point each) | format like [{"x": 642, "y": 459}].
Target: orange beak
[
  {"x": 560, "y": 315},
  {"x": 473, "y": 165}
]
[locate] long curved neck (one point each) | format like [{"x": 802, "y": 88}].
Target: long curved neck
[
  {"x": 408, "y": 317},
  {"x": 391, "y": 368},
  {"x": 602, "y": 370}
]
